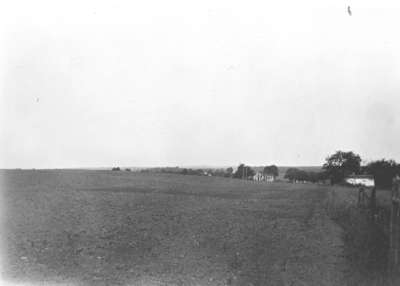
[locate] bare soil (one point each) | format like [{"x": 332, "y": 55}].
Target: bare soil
[{"x": 122, "y": 228}]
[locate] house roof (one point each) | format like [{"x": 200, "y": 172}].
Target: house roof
[{"x": 360, "y": 177}]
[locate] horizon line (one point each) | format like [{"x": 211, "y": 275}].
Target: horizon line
[{"x": 155, "y": 166}]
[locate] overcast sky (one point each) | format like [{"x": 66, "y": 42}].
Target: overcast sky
[{"x": 144, "y": 83}]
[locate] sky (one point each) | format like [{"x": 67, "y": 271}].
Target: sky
[{"x": 177, "y": 83}]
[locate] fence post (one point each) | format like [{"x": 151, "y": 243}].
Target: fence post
[
  {"x": 394, "y": 228},
  {"x": 361, "y": 197},
  {"x": 372, "y": 201}
]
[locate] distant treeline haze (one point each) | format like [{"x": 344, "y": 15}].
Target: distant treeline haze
[{"x": 334, "y": 170}]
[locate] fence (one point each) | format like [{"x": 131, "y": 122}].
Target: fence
[
  {"x": 387, "y": 221},
  {"x": 367, "y": 198},
  {"x": 394, "y": 235}
]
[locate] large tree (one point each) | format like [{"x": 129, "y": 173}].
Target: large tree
[
  {"x": 243, "y": 172},
  {"x": 383, "y": 171},
  {"x": 342, "y": 164},
  {"x": 271, "y": 170},
  {"x": 292, "y": 174},
  {"x": 295, "y": 174},
  {"x": 229, "y": 172}
]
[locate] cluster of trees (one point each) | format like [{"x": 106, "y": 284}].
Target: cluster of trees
[
  {"x": 295, "y": 174},
  {"x": 342, "y": 164},
  {"x": 189, "y": 171},
  {"x": 119, "y": 169},
  {"x": 336, "y": 168},
  {"x": 170, "y": 170},
  {"x": 244, "y": 172},
  {"x": 198, "y": 172},
  {"x": 208, "y": 172},
  {"x": 271, "y": 170},
  {"x": 383, "y": 171}
]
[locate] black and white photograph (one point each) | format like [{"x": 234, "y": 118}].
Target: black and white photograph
[{"x": 200, "y": 143}]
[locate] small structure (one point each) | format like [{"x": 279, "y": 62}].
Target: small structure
[
  {"x": 269, "y": 178},
  {"x": 258, "y": 177},
  {"x": 263, "y": 177},
  {"x": 361, "y": 180}
]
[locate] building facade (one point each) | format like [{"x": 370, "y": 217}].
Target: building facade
[
  {"x": 361, "y": 180},
  {"x": 263, "y": 177}
]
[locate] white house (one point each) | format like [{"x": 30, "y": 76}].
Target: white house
[
  {"x": 361, "y": 180},
  {"x": 269, "y": 178},
  {"x": 263, "y": 177},
  {"x": 258, "y": 177}
]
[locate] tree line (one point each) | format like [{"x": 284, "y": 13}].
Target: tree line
[
  {"x": 246, "y": 172},
  {"x": 295, "y": 174},
  {"x": 242, "y": 171},
  {"x": 342, "y": 164},
  {"x": 335, "y": 169}
]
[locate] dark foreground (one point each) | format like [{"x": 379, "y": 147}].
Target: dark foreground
[{"x": 121, "y": 228}]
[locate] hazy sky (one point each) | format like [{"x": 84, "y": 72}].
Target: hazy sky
[{"x": 142, "y": 83}]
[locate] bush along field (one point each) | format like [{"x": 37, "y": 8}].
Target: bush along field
[{"x": 128, "y": 228}]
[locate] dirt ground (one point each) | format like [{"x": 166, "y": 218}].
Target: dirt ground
[{"x": 122, "y": 228}]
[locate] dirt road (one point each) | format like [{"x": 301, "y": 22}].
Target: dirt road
[{"x": 102, "y": 228}]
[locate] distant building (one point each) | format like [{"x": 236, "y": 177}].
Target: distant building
[
  {"x": 361, "y": 180},
  {"x": 269, "y": 178},
  {"x": 259, "y": 176}
]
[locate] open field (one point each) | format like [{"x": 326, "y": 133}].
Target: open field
[{"x": 125, "y": 228}]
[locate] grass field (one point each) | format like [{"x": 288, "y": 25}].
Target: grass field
[{"x": 126, "y": 228}]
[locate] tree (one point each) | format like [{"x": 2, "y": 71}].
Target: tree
[
  {"x": 315, "y": 177},
  {"x": 342, "y": 164},
  {"x": 219, "y": 172},
  {"x": 271, "y": 170},
  {"x": 383, "y": 171},
  {"x": 243, "y": 172},
  {"x": 229, "y": 172},
  {"x": 292, "y": 174}
]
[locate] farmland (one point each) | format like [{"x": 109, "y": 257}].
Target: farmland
[{"x": 126, "y": 228}]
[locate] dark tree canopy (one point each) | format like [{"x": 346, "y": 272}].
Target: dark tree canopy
[
  {"x": 292, "y": 174},
  {"x": 229, "y": 172},
  {"x": 271, "y": 170},
  {"x": 243, "y": 172},
  {"x": 342, "y": 164},
  {"x": 383, "y": 171},
  {"x": 295, "y": 174}
]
